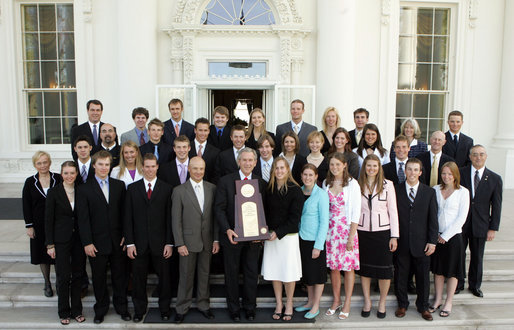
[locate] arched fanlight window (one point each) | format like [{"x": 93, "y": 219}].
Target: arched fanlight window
[{"x": 237, "y": 12}]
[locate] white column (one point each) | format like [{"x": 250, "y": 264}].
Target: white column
[{"x": 335, "y": 57}]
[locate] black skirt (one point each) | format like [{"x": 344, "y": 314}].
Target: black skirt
[
  {"x": 376, "y": 261},
  {"x": 38, "y": 253},
  {"x": 448, "y": 260},
  {"x": 314, "y": 271}
]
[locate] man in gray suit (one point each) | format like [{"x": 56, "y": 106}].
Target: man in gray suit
[
  {"x": 297, "y": 125},
  {"x": 196, "y": 237},
  {"x": 139, "y": 133}
]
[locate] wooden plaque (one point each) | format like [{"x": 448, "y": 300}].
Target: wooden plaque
[{"x": 250, "y": 221}]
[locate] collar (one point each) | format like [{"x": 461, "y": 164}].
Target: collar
[
  {"x": 139, "y": 131},
  {"x": 437, "y": 154},
  {"x": 186, "y": 163},
  {"x": 480, "y": 171},
  {"x": 219, "y": 129},
  {"x": 177, "y": 122},
  {"x": 97, "y": 127},
  {"x": 88, "y": 163},
  {"x": 408, "y": 186},
  {"x": 269, "y": 161},
  {"x": 151, "y": 182},
  {"x": 100, "y": 180},
  {"x": 414, "y": 142},
  {"x": 398, "y": 163},
  {"x": 197, "y": 144},
  {"x": 299, "y": 125},
  {"x": 242, "y": 176},
  {"x": 109, "y": 148},
  {"x": 453, "y": 134},
  {"x": 194, "y": 183}
]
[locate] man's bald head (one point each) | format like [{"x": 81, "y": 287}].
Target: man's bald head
[
  {"x": 196, "y": 168},
  {"x": 437, "y": 141}
]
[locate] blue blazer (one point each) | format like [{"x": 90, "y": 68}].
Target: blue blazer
[{"x": 314, "y": 221}]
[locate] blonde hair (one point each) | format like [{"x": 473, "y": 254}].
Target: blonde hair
[
  {"x": 250, "y": 125},
  {"x": 40, "y": 154},
  {"x": 315, "y": 135},
  {"x": 414, "y": 123},
  {"x": 273, "y": 179},
  {"x": 139, "y": 161},
  {"x": 324, "y": 117}
]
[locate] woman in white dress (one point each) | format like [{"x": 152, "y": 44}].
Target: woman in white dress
[
  {"x": 447, "y": 261},
  {"x": 371, "y": 144},
  {"x": 131, "y": 164}
]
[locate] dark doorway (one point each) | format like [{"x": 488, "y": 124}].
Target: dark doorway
[{"x": 237, "y": 101}]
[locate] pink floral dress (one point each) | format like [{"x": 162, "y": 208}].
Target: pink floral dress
[{"x": 338, "y": 231}]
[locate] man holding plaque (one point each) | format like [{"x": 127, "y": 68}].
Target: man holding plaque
[{"x": 244, "y": 253}]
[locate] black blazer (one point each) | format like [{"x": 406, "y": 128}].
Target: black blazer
[
  {"x": 485, "y": 209},
  {"x": 34, "y": 199},
  {"x": 296, "y": 171},
  {"x": 427, "y": 166},
  {"x": 322, "y": 172},
  {"x": 391, "y": 174},
  {"x": 224, "y": 202},
  {"x": 100, "y": 223},
  {"x": 283, "y": 211},
  {"x": 418, "y": 221},
  {"x": 60, "y": 219},
  {"x": 85, "y": 129},
  {"x": 460, "y": 152},
  {"x": 225, "y": 164},
  {"x": 169, "y": 173},
  {"x": 326, "y": 144},
  {"x": 353, "y": 139},
  {"x": 166, "y": 153},
  {"x": 251, "y": 143},
  {"x": 209, "y": 155},
  {"x": 147, "y": 222},
  {"x": 186, "y": 129},
  {"x": 224, "y": 142}
]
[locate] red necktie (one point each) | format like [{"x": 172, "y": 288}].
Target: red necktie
[
  {"x": 149, "y": 192},
  {"x": 246, "y": 178},
  {"x": 200, "y": 151},
  {"x": 142, "y": 139}
]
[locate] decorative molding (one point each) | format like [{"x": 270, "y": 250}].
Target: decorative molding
[
  {"x": 285, "y": 59},
  {"x": 229, "y": 29},
  {"x": 473, "y": 13},
  {"x": 187, "y": 57},
  {"x": 296, "y": 64},
  {"x": 386, "y": 12},
  {"x": 87, "y": 10}
]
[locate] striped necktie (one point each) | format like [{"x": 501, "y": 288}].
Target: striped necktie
[{"x": 412, "y": 196}]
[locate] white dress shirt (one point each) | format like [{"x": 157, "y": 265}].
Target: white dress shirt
[
  {"x": 398, "y": 165},
  {"x": 88, "y": 163},
  {"x": 236, "y": 152},
  {"x": 242, "y": 176},
  {"x": 438, "y": 156},
  {"x": 383, "y": 159},
  {"x": 452, "y": 212},
  {"x": 415, "y": 187},
  {"x": 299, "y": 125},
  {"x": 480, "y": 174},
  {"x": 198, "y": 144},
  {"x": 151, "y": 182},
  {"x": 198, "y": 189},
  {"x": 268, "y": 163}
]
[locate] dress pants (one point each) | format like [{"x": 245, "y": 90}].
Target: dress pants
[
  {"x": 245, "y": 254},
  {"x": 70, "y": 261},
  {"x": 476, "y": 262},
  {"x": 118, "y": 265},
  {"x": 199, "y": 261},
  {"x": 140, "y": 275},
  {"x": 405, "y": 260}
]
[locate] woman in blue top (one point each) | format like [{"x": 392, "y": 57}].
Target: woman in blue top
[{"x": 313, "y": 232}]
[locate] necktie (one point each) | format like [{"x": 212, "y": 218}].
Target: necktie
[
  {"x": 412, "y": 195},
  {"x": 199, "y": 195},
  {"x": 182, "y": 173},
  {"x": 105, "y": 190},
  {"x": 295, "y": 129},
  {"x": 95, "y": 134},
  {"x": 142, "y": 139},
  {"x": 149, "y": 192},
  {"x": 219, "y": 134},
  {"x": 199, "y": 153},
  {"x": 358, "y": 137},
  {"x": 156, "y": 151},
  {"x": 265, "y": 172},
  {"x": 401, "y": 174},
  {"x": 476, "y": 181},
  {"x": 434, "y": 172},
  {"x": 246, "y": 178},
  {"x": 83, "y": 173},
  {"x": 177, "y": 130},
  {"x": 455, "y": 139}
]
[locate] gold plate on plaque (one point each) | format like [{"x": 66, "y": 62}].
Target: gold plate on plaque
[{"x": 247, "y": 190}]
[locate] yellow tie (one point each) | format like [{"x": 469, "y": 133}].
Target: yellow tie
[{"x": 434, "y": 172}]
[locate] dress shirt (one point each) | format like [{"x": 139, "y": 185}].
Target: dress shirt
[
  {"x": 438, "y": 156},
  {"x": 109, "y": 148},
  {"x": 408, "y": 186},
  {"x": 144, "y": 132},
  {"x": 414, "y": 142},
  {"x": 179, "y": 169},
  {"x": 219, "y": 129},
  {"x": 198, "y": 189},
  {"x": 97, "y": 128},
  {"x": 198, "y": 144},
  {"x": 480, "y": 174},
  {"x": 299, "y": 125},
  {"x": 242, "y": 176},
  {"x": 290, "y": 164},
  {"x": 398, "y": 165},
  {"x": 106, "y": 182},
  {"x": 177, "y": 122},
  {"x": 151, "y": 182},
  {"x": 236, "y": 152},
  {"x": 453, "y": 136},
  {"x": 88, "y": 163},
  {"x": 452, "y": 212},
  {"x": 266, "y": 163}
]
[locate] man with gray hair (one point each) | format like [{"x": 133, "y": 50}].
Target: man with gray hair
[{"x": 235, "y": 253}]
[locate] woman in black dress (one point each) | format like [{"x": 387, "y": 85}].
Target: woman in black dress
[
  {"x": 343, "y": 144},
  {"x": 290, "y": 149},
  {"x": 63, "y": 244},
  {"x": 315, "y": 141},
  {"x": 34, "y": 198},
  {"x": 256, "y": 128},
  {"x": 330, "y": 121}
]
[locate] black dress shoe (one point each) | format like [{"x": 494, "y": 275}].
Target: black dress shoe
[
  {"x": 235, "y": 317},
  {"x": 48, "y": 291},
  {"x": 98, "y": 319},
  {"x": 250, "y": 315},
  {"x": 207, "y": 314},
  {"x": 137, "y": 318},
  {"x": 126, "y": 317},
  {"x": 179, "y": 318},
  {"x": 165, "y": 316},
  {"x": 477, "y": 293}
]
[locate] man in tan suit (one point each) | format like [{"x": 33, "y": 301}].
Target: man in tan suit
[{"x": 196, "y": 237}]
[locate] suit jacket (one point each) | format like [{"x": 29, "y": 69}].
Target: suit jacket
[
  {"x": 186, "y": 129},
  {"x": 192, "y": 227},
  {"x": 427, "y": 166},
  {"x": 209, "y": 155},
  {"x": 459, "y": 152},
  {"x": 302, "y": 136},
  {"x": 353, "y": 139},
  {"x": 225, "y": 164},
  {"x": 224, "y": 142},
  {"x": 169, "y": 173},
  {"x": 391, "y": 174},
  {"x": 34, "y": 200},
  {"x": 60, "y": 218},
  {"x": 131, "y": 135},
  {"x": 284, "y": 211},
  {"x": 85, "y": 129},
  {"x": 147, "y": 222},
  {"x": 115, "y": 153},
  {"x": 100, "y": 222},
  {"x": 485, "y": 208},
  {"x": 90, "y": 173},
  {"x": 379, "y": 211},
  {"x": 166, "y": 153},
  {"x": 418, "y": 221}
]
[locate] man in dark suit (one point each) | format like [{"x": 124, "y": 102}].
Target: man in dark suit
[
  {"x": 99, "y": 208},
  {"x": 435, "y": 155},
  {"x": 227, "y": 159},
  {"x": 196, "y": 237},
  {"x": 149, "y": 238},
  {"x": 176, "y": 125},
  {"x": 360, "y": 118},
  {"x": 175, "y": 172},
  {"x": 297, "y": 125},
  {"x": 201, "y": 147},
  {"x": 458, "y": 144},
  {"x": 156, "y": 145},
  {"x": 108, "y": 138},
  {"x": 235, "y": 254},
  {"x": 82, "y": 147},
  {"x": 219, "y": 135},
  {"x": 266, "y": 146},
  {"x": 417, "y": 213},
  {"x": 485, "y": 188}
]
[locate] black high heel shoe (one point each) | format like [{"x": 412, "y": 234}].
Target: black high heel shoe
[{"x": 48, "y": 291}]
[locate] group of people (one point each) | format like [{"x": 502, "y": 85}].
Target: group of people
[{"x": 333, "y": 199}]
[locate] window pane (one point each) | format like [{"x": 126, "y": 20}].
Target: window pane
[
  {"x": 67, "y": 74},
  {"x": 403, "y": 105},
  {"x": 69, "y": 103},
  {"x": 423, "y": 127},
  {"x": 49, "y": 74},
  {"x": 435, "y": 125},
  {"x": 422, "y": 76},
  {"x": 425, "y": 20},
  {"x": 48, "y": 50},
  {"x": 53, "y": 130},
  {"x": 32, "y": 75},
  {"x": 439, "y": 77},
  {"x": 66, "y": 46},
  {"x": 437, "y": 105},
  {"x": 405, "y": 76},
  {"x": 407, "y": 21},
  {"x": 47, "y": 17},
  {"x": 236, "y": 12},
  {"x": 424, "y": 49},
  {"x": 36, "y": 131},
  {"x": 31, "y": 47},
  {"x": 29, "y": 17},
  {"x": 51, "y": 101},
  {"x": 67, "y": 123},
  {"x": 405, "y": 51},
  {"x": 65, "y": 17},
  {"x": 35, "y": 104},
  {"x": 441, "y": 49},
  {"x": 441, "y": 21},
  {"x": 420, "y": 105}
]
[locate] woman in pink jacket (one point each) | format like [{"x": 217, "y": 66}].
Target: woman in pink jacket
[{"x": 378, "y": 232}]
